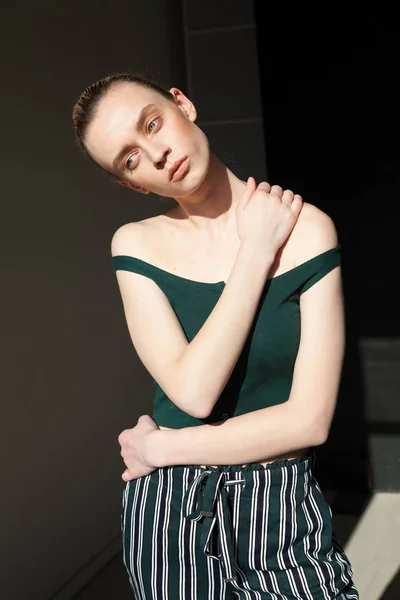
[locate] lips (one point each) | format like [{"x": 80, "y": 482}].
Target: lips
[{"x": 179, "y": 169}]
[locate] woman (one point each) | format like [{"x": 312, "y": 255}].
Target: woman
[{"x": 233, "y": 301}]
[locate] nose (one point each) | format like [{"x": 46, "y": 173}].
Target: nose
[{"x": 159, "y": 156}]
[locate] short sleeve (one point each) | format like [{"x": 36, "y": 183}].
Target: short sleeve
[{"x": 320, "y": 266}]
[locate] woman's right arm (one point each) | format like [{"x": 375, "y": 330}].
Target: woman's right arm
[{"x": 194, "y": 374}]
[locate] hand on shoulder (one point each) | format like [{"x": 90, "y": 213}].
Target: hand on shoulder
[{"x": 314, "y": 233}]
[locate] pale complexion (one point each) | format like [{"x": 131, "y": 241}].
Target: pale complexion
[
  {"x": 301, "y": 422},
  {"x": 206, "y": 197}
]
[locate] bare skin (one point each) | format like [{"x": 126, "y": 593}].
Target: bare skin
[
  {"x": 139, "y": 136},
  {"x": 169, "y": 243}
]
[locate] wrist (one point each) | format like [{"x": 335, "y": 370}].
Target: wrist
[
  {"x": 258, "y": 252},
  {"x": 160, "y": 448}
]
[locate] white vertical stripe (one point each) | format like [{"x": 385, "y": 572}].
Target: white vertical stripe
[
  {"x": 306, "y": 541},
  {"x": 154, "y": 563},
  {"x": 167, "y": 516},
  {"x": 292, "y": 501},
  {"x": 138, "y": 536},
  {"x": 282, "y": 532},
  {"x": 276, "y": 586},
  {"x": 135, "y": 567},
  {"x": 192, "y": 546},
  {"x": 304, "y": 592},
  {"x": 264, "y": 537},
  {"x": 128, "y": 562},
  {"x": 192, "y": 555},
  {"x": 343, "y": 567},
  {"x": 181, "y": 530},
  {"x": 211, "y": 586},
  {"x": 235, "y": 527},
  {"x": 132, "y": 565},
  {"x": 252, "y": 532},
  {"x": 318, "y": 514},
  {"x": 290, "y": 555},
  {"x": 282, "y": 520},
  {"x": 267, "y": 494},
  {"x": 305, "y": 583}
]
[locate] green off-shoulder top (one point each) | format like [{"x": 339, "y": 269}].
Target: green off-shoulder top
[{"x": 263, "y": 373}]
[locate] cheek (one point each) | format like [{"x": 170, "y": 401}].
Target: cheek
[
  {"x": 201, "y": 142},
  {"x": 185, "y": 135}
]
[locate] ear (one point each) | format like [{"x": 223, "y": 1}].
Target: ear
[
  {"x": 184, "y": 103},
  {"x": 136, "y": 188}
]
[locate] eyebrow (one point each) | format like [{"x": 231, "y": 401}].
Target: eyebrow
[{"x": 139, "y": 125}]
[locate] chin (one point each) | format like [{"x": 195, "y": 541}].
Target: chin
[
  {"x": 199, "y": 180},
  {"x": 190, "y": 184},
  {"x": 203, "y": 170}
]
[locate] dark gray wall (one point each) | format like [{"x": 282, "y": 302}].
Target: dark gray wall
[
  {"x": 70, "y": 380},
  {"x": 223, "y": 81}
]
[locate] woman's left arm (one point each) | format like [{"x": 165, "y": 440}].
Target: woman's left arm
[{"x": 305, "y": 419}]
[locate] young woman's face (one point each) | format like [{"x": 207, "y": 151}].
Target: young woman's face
[{"x": 142, "y": 137}]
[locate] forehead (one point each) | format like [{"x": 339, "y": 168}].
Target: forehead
[{"x": 116, "y": 117}]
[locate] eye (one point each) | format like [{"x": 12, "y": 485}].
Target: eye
[
  {"x": 129, "y": 161},
  {"x": 150, "y": 129}
]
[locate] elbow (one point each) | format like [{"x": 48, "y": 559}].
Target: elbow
[
  {"x": 197, "y": 412},
  {"x": 309, "y": 430},
  {"x": 318, "y": 434},
  {"x": 319, "y": 439},
  {"x": 199, "y": 408},
  {"x": 190, "y": 395},
  {"x": 194, "y": 405},
  {"x": 200, "y": 414}
]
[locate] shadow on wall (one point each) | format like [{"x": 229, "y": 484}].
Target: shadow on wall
[{"x": 331, "y": 130}]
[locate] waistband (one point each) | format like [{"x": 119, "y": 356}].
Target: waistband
[{"x": 303, "y": 463}]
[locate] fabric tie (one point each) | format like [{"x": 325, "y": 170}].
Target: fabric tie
[{"x": 206, "y": 497}]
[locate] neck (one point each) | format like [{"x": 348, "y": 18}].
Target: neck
[{"x": 211, "y": 208}]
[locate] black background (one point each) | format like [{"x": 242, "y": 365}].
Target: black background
[{"x": 330, "y": 87}]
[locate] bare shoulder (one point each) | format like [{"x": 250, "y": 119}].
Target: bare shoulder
[
  {"x": 126, "y": 239},
  {"x": 135, "y": 239},
  {"x": 314, "y": 233}
]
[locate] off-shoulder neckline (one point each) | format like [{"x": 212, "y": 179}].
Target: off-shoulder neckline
[{"x": 222, "y": 283}]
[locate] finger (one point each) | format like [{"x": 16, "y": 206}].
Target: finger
[
  {"x": 145, "y": 418},
  {"x": 264, "y": 185},
  {"x": 287, "y": 197},
  {"x": 297, "y": 205},
  {"x": 276, "y": 190},
  {"x": 249, "y": 191},
  {"x": 121, "y": 437},
  {"x": 126, "y": 475}
]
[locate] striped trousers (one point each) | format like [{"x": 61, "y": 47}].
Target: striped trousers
[{"x": 229, "y": 532}]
